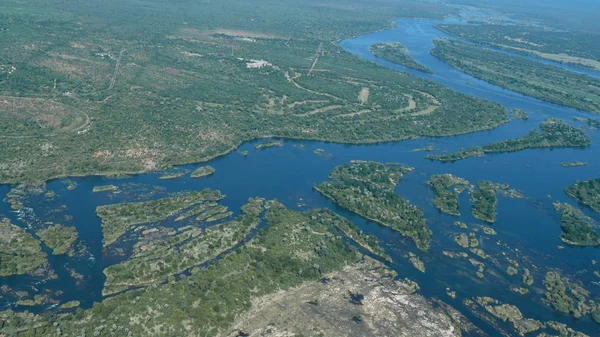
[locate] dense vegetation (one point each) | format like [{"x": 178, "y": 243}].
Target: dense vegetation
[
  {"x": 397, "y": 53},
  {"x": 484, "y": 201},
  {"x": 577, "y": 228},
  {"x": 20, "y": 253},
  {"x": 531, "y": 78},
  {"x": 291, "y": 249},
  {"x": 203, "y": 171},
  {"x": 361, "y": 192},
  {"x": 520, "y": 114},
  {"x": 181, "y": 82},
  {"x": 587, "y": 192},
  {"x": 554, "y": 133},
  {"x": 118, "y": 218},
  {"x": 579, "y": 49},
  {"x": 473, "y": 151},
  {"x": 59, "y": 238},
  {"x": 567, "y": 297},
  {"x": 447, "y": 189}
]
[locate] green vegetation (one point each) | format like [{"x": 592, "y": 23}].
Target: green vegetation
[
  {"x": 531, "y": 78},
  {"x": 292, "y": 249},
  {"x": 160, "y": 86},
  {"x": 266, "y": 145},
  {"x": 484, "y": 201},
  {"x": 574, "y": 164},
  {"x": 69, "y": 305},
  {"x": 118, "y": 218},
  {"x": 203, "y": 171},
  {"x": 172, "y": 176},
  {"x": 447, "y": 189},
  {"x": 579, "y": 49},
  {"x": 554, "y": 133},
  {"x": 161, "y": 254},
  {"x": 567, "y": 297},
  {"x": 424, "y": 149},
  {"x": 366, "y": 189},
  {"x": 397, "y": 53},
  {"x": 20, "y": 253},
  {"x": 104, "y": 188},
  {"x": 59, "y": 238},
  {"x": 586, "y": 192},
  {"x": 520, "y": 114},
  {"x": 577, "y": 228},
  {"x": 474, "y": 151}
]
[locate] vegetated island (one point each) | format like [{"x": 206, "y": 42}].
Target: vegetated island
[
  {"x": 240, "y": 291},
  {"x": 59, "y": 238},
  {"x": 117, "y": 219},
  {"x": 169, "y": 176},
  {"x": 531, "y": 78},
  {"x": 574, "y": 164},
  {"x": 568, "y": 297},
  {"x": 20, "y": 252},
  {"x": 396, "y": 52},
  {"x": 554, "y": 133},
  {"x": 577, "y": 228},
  {"x": 447, "y": 188},
  {"x": 520, "y": 114},
  {"x": 576, "y": 48},
  {"x": 203, "y": 171},
  {"x": 266, "y": 145},
  {"x": 104, "y": 188},
  {"x": 484, "y": 201},
  {"x": 366, "y": 188},
  {"x": 587, "y": 192}
]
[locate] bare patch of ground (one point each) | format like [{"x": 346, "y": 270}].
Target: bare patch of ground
[
  {"x": 361, "y": 300},
  {"x": 363, "y": 97}
]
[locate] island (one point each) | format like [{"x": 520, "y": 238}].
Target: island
[
  {"x": 365, "y": 188},
  {"x": 577, "y": 228},
  {"x": 397, "y": 53},
  {"x": 484, "y": 201},
  {"x": 59, "y": 238},
  {"x": 587, "y": 192},
  {"x": 203, "y": 171},
  {"x": 20, "y": 252},
  {"x": 447, "y": 188}
]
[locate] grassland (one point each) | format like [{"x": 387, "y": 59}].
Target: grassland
[
  {"x": 118, "y": 218},
  {"x": 59, "y": 238},
  {"x": 360, "y": 189},
  {"x": 531, "y": 78},
  {"x": 20, "y": 252},
  {"x": 169, "y": 83},
  {"x": 586, "y": 192},
  {"x": 397, "y": 53},
  {"x": 579, "y": 49},
  {"x": 447, "y": 188}
]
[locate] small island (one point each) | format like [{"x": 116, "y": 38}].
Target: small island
[
  {"x": 586, "y": 192},
  {"x": 473, "y": 151},
  {"x": 397, "y": 53},
  {"x": 574, "y": 164},
  {"x": 20, "y": 252},
  {"x": 520, "y": 114},
  {"x": 366, "y": 188},
  {"x": 203, "y": 171},
  {"x": 266, "y": 145},
  {"x": 59, "y": 238},
  {"x": 104, "y": 188},
  {"x": 577, "y": 228},
  {"x": 484, "y": 201},
  {"x": 447, "y": 189}
]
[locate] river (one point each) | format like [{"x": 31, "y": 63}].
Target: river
[{"x": 528, "y": 229}]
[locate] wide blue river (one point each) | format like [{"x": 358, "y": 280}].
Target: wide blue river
[{"x": 528, "y": 229}]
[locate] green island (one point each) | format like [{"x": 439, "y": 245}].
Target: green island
[
  {"x": 161, "y": 254},
  {"x": 577, "y": 228},
  {"x": 484, "y": 201},
  {"x": 117, "y": 219},
  {"x": 20, "y": 253},
  {"x": 366, "y": 188},
  {"x": 397, "y": 53},
  {"x": 531, "y": 78},
  {"x": 59, "y": 238},
  {"x": 576, "y": 48},
  {"x": 473, "y": 151},
  {"x": 104, "y": 188},
  {"x": 520, "y": 114},
  {"x": 553, "y": 133},
  {"x": 266, "y": 145},
  {"x": 587, "y": 192},
  {"x": 163, "y": 90},
  {"x": 592, "y": 123},
  {"x": 169, "y": 176},
  {"x": 569, "y": 298},
  {"x": 203, "y": 171},
  {"x": 447, "y": 188},
  {"x": 297, "y": 258},
  {"x": 574, "y": 164}
]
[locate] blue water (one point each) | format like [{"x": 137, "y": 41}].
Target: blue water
[{"x": 528, "y": 229}]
